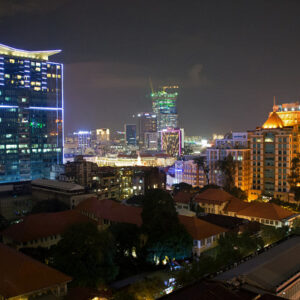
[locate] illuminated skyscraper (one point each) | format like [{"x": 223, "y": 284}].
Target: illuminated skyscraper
[
  {"x": 130, "y": 134},
  {"x": 147, "y": 124},
  {"x": 83, "y": 140},
  {"x": 165, "y": 107},
  {"x": 171, "y": 141},
  {"x": 31, "y": 114}
]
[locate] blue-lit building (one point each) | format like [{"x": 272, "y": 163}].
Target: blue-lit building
[
  {"x": 31, "y": 114},
  {"x": 130, "y": 134}
]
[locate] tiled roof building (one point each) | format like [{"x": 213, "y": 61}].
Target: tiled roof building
[
  {"x": 42, "y": 229},
  {"x": 24, "y": 277}
]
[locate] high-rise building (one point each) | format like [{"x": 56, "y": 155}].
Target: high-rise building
[
  {"x": 130, "y": 134},
  {"x": 236, "y": 145},
  {"x": 102, "y": 135},
  {"x": 273, "y": 146},
  {"x": 83, "y": 140},
  {"x": 289, "y": 113},
  {"x": 165, "y": 107},
  {"x": 171, "y": 141},
  {"x": 147, "y": 125},
  {"x": 31, "y": 114}
]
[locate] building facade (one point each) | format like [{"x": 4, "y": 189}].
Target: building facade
[
  {"x": 171, "y": 141},
  {"x": 130, "y": 134},
  {"x": 164, "y": 105},
  {"x": 147, "y": 125},
  {"x": 236, "y": 145},
  {"x": 31, "y": 114},
  {"x": 273, "y": 147}
]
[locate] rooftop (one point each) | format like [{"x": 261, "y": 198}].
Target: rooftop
[
  {"x": 263, "y": 210},
  {"x": 270, "y": 269},
  {"x": 199, "y": 229},
  {"x": 215, "y": 196},
  {"x": 43, "y": 55},
  {"x": 111, "y": 210},
  {"x": 20, "y": 274},
  {"x": 183, "y": 197},
  {"x": 37, "y": 226},
  {"x": 274, "y": 121},
  {"x": 57, "y": 185}
]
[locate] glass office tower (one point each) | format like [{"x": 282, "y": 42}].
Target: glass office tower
[
  {"x": 31, "y": 114},
  {"x": 165, "y": 107}
]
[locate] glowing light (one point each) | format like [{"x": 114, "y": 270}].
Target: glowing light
[{"x": 45, "y": 108}]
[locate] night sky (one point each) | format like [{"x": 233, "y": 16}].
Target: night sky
[{"x": 229, "y": 57}]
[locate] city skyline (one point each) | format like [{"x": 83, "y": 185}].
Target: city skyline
[{"x": 230, "y": 60}]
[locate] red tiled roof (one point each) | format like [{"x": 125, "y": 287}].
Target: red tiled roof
[
  {"x": 37, "y": 226},
  {"x": 111, "y": 210},
  {"x": 235, "y": 205},
  {"x": 20, "y": 274},
  {"x": 183, "y": 197},
  {"x": 213, "y": 196},
  {"x": 199, "y": 229},
  {"x": 262, "y": 210},
  {"x": 117, "y": 212}
]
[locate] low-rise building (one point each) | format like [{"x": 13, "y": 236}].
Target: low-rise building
[
  {"x": 41, "y": 230},
  {"x": 107, "y": 212},
  {"x": 67, "y": 192},
  {"x": 217, "y": 201},
  {"x": 275, "y": 271},
  {"x": 22, "y": 277},
  {"x": 205, "y": 235}
]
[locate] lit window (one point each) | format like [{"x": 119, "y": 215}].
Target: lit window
[
  {"x": 12, "y": 61},
  {"x": 48, "y": 75}
]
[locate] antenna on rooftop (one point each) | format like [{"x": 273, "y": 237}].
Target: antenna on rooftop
[
  {"x": 274, "y": 103},
  {"x": 151, "y": 85}
]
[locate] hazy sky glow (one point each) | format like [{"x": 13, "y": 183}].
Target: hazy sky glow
[{"x": 229, "y": 57}]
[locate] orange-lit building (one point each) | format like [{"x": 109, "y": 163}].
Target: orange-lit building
[{"x": 273, "y": 146}]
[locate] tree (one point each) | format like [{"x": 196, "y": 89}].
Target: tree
[
  {"x": 227, "y": 167},
  {"x": 150, "y": 288},
  {"x": 190, "y": 273},
  {"x": 165, "y": 236},
  {"x": 201, "y": 163},
  {"x": 3, "y": 223},
  {"x": 294, "y": 178},
  {"x": 238, "y": 193},
  {"x": 182, "y": 186},
  {"x": 271, "y": 234},
  {"x": 129, "y": 248},
  {"x": 86, "y": 254},
  {"x": 296, "y": 227}
]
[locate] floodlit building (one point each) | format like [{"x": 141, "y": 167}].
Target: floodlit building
[
  {"x": 83, "y": 140},
  {"x": 31, "y": 114},
  {"x": 102, "y": 135},
  {"x": 289, "y": 113},
  {"x": 273, "y": 147},
  {"x": 236, "y": 145},
  {"x": 165, "y": 107},
  {"x": 171, "y": 141},
  {"x": 187, "y": 171}
]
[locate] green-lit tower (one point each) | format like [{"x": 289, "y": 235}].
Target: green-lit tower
[{"x": 164, "y": 106}]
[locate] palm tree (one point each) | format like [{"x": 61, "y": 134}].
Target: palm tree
[
  {"x": 227, "y": 167},
  {"x": 201, "y": 163}
]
